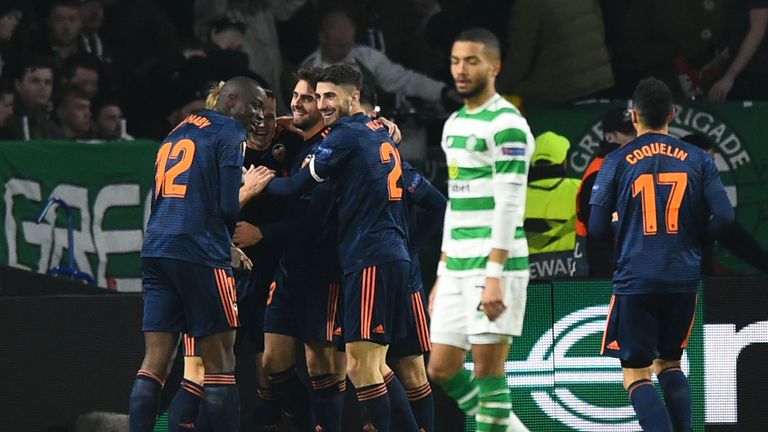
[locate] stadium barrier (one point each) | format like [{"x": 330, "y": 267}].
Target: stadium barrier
[{"x": 69, "y": 354}]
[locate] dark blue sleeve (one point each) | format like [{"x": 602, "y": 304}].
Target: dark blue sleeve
[
  {"x": 231, "y": 145},
  {"x": 285, "y": 186},
  {"x": 604, "y": 189},
  {"x": 599, "y": 225},
  {"x": 716, "y": 198},
  {"x": 229, "y": 204},
  {"x": 332, "y": 152},
  {"x": 430, "y": 200}
]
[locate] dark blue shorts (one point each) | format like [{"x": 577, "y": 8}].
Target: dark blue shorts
[
  {"x": 644, "y": 327},
  {"x": 376, "y": 303},
  {"x": 254, "y": 290},
  {"x": 416, "y": 340},
  {"x": 191, "y": 349},
  {"x": 302, "y": 306},
  {"x": 181, "y": 296}
]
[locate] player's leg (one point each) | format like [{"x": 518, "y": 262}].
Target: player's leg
[
  {"x": 184, "y": 408},
  {"x": 406, "y": 356},
  {"x": 162, "y": 323},
  {"x": 490, "y": 346},
  {"x": 281, "y": 332},
  {"x": 449, "y": 329},
  {"x": 631, "y": 336},
  {"x": 213, "y": 316},
  {"x": 678, "y": 312}
]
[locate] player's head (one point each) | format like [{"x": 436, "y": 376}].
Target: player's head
[
  {"x": 617, "y": 127},
  {"x": 337, "y": 36},
  {"x": 652, "y": 108},
  {"x": 242, "y": 99},
  {"x": 368, "y": 99},
  {"x": 306, "y": 115},
  {"x": 700, "y": 141},
  {"x": 475, "y": 62},
  {"x": 261, "y": 138},
  {"x": 338, "y": 92}
]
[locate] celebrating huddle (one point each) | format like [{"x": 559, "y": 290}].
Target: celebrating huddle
[{"x": 307, "y": 230}]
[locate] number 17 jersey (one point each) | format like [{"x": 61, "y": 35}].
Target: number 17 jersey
[{"x": 658, "y": 185}]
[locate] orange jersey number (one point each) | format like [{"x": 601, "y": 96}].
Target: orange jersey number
[
  {"x": 645, "y": 186},
  {"x": 165, "y": 179},
  {"x": 389, "y": 153}
]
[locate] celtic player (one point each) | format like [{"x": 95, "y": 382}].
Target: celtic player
[{"x": 480, "y": 294}]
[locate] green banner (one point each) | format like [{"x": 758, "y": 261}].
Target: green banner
[
  {"x": 735, "y": 128},
  {"x": 558, "y": 379},
  {"x": 107, "y": 187}
]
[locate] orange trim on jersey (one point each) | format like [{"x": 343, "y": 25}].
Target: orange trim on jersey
[
  {"x": 607, "y": 323},
  {"x": 422, "y": 329},
  {"x": 690, "y": 327},
  {"x": 367, "y": 302},
  {"x": 225, "y": 284},
  {"x": 219, "y": 379}
]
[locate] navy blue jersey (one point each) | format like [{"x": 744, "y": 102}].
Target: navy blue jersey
[
  {"x": 661, "y": 188},
  {"x": 365, "y": 168},
  {"x": 312, "y": 228},
  {"x": 197, "y": 178},
  {"x": 426, "y": 208}
]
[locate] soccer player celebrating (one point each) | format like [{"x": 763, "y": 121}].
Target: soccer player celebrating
[
  {"x": 364, "y": 165},
  {"x": 480, "y": 294},
  {"x": 666, "y": 193},
  {"x": 186, "y": 256}
]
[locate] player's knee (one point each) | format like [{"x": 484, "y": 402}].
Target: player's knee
[
  {"x": 318, "y": 364},
  {"x": 194, "y": 370},
  {"x": 660, "y": 365},
  {"x": 411, "y": 372},
  {"x": 440, "y": 372}
]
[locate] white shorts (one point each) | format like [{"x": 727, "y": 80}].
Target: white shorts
[{"x": 457, "y": 319}]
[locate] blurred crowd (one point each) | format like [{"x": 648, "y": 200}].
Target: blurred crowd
[{"x": 112, "y": 69}]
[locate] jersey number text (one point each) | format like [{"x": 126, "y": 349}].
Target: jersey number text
[
  {"x": 165, "y": 179},
  {"x": 645, "y": 187},
  {"x": 388, "y": 153}
]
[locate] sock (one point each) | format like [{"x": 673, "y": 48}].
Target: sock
[
  {"x": 327, "y": 403},
  {"x": 677, "y": 398},
  {"x": 422, "y": 406},
  {"x": 462, "y": 387},
  {"x": 402, "y": 416},
  {"x": 294, "y": 398},
  {"x": 182, "y": 414},
  {"x": 374, "y": 407},
  {"x": 144, "y": 401},
  {"x": 495, "y": 404},
  {"x": 221, "y": 402},
  {"x": 267, "y": 410},
  {"x": 650, "y": 411}
]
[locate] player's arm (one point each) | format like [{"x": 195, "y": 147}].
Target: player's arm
[
  {"x": 603, "y": 200},
  {"x": 255, "y": 180},
  {"x": 330, "y": 153},
  {"x": 229, "y": 157},
  {"x": 584, "y": 209},
  {"x": 512, "y": 149},
  {"x": 428, "y": 199},
  {"x": 717, "y": 199}
]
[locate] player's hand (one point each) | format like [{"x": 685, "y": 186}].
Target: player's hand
[
  {"x": 432, "y": 295},
  {"x": 493, "y": 298},
  {"x": 285, "y": 123},
  {"x": 247, "y": 234},
  {"x": 392, "y": 128},
  {"x": 720, "y": 89},
  {"x": 240, "y": 260},
  {"x": 256, "y": 180}
]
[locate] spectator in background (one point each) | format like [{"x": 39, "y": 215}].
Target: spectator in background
[
  {"x": 108, "y": 121},
  {"x": 73, "y": 111},
  {"x": 594, "y": 258},
  {"x": 64, "y": 26},
  {"x": 747, "y": 75},
  {"x": 34, "y": 86},
  {"x": 261, "y": 39},
  {"x": 556, "y": 51},
  {"x": 10, "y": 16},
  {"x": 92, "y": 15},
  {"x": 550, "y": 209},
  {"x": 82, "y": 70},
  {"x": 337, "y": 45},
  {"x": 6, "y": 111}
]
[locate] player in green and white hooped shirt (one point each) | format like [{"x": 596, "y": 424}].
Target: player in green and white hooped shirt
[{"x": 478, "y": 301}]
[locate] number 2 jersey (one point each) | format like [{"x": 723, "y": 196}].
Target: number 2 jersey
[
  {"x": 197, "y": 179},
  {"x": 366, "y": 171},
  {"x": 661, "y": 188}
]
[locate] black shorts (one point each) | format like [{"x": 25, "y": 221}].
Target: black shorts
[
  {"x": 303, "y": 306},
  {"x": 254, "y": 290},
  {"x": 644, "y": 327},
  {"x": 376, "y": 303}
]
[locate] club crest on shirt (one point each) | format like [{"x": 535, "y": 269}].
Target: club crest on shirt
[
  {"x": 471, "y": 143},
  {"x": 279, "y": 152},
  {"x": 453, "y": 169}
]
